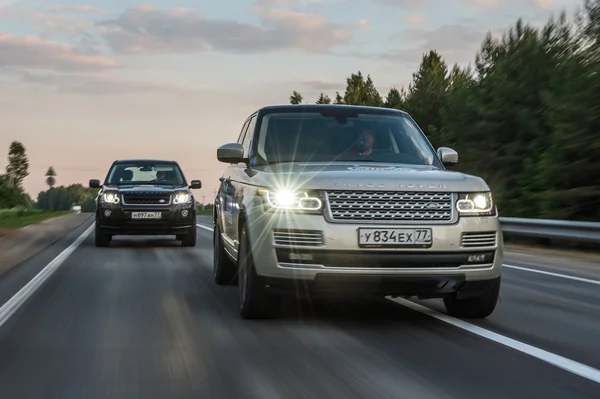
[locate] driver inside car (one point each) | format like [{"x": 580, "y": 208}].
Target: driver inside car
[{"x": 363, "y": 144}]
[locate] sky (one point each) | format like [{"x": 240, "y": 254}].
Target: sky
[{"x": 86, "y": 82}]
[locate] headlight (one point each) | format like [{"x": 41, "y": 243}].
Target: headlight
[
  {"x": 182, "y": 198},
  {"x": 291, "y": 200},
  {"x": 110, "y": 198},
  {"x": 475, "y": 204}
]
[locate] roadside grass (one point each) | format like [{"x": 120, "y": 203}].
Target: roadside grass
[
  {"x": 204, "y": 212},
  {"x": 17, "y": 217}
]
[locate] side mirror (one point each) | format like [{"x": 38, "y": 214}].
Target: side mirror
[
  {"x": 231, "y": 153},
  {"x": 195, "y": 184},
  {"x": 448, "y": 156},
  {"x": 94, "y": 183}
]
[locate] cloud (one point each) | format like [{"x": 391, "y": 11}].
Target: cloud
[
  {"x": 33, "y": 15},
  {"x": 408, "y": 4},
  {"x": 78, "y": 9},
  {"x": 416, "y": 18},
  {"x": 323, "y": 86},
  {"x": 36, "y": 53},
  {"x": 92, "y": 85},
  {"x": 456, "y": 43},
  {"x": 486, "y": 3},
  {"x": 546, "y": 3},
  {"x": 148, "y": 30},
  {"x": 521, "y": 5}
]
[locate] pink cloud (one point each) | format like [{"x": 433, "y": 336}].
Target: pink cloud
[
  {"x": 33, "y": 52},
  {"x": 147, "y": 30},
  {"x": 35, "y": 15},
  {"x": 416, "y": 18},
  {"x": 80, "y": 9}
]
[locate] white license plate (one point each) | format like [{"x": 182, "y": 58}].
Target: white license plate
[
  {"x": 146, "y": 215},
  {"x": 394, "y": 238}
]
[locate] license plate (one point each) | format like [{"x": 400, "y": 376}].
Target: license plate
[
  {"x": 146, "y": 215},
  {"x": 394, "y": 238}
]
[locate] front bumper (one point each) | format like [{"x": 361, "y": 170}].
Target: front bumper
[
  {"x": 338, "y": 253},
  {"x": 174, "y": 220}
]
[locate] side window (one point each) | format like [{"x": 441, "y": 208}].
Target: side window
[
  {"x": 249, "y": 136},
  {"x": 241, "y": 136}
]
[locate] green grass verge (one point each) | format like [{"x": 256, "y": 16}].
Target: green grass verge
[
  {"x": 17, "y": 218},
  {"x": 204, "y": 212}
]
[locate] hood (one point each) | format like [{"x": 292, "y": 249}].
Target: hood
[
  {"x": 162, "y": 188},
  {"x": 367, "y": 176}
]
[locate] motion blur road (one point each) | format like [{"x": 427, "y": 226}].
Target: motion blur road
[{"x": 143, "y": 319}]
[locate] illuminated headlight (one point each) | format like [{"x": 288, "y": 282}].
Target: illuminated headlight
[
  {"x": 291, "y": 200},
  {"x": 110, "y": 198},
  {"x": 475, "y": 204},
  {"x": 182, "y": 198}
]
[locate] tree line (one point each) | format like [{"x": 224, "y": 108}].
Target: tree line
[
  {"x": 61, "y": 198},
  {"x": 525, "y": 116}
]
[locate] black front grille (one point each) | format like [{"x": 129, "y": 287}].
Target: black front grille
[{"x": 145, "y": 198}]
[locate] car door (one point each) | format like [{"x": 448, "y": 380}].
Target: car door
[
  {"x": 240, "y": 179},
  {"x": 226, "y": 195}
]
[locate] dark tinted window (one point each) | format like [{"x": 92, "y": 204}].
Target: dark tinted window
[
  {"x": 145, "y": 173},
  {"x": 314, "y": 137}
]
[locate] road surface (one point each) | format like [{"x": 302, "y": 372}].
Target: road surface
[{"x": 143, "y": 319}]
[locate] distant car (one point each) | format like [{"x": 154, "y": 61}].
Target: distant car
[
  {"x": 145, "y": 197},
  {"x": 327, "y": 200}
]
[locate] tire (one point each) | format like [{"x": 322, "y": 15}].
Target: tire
[
  {"x": 255, "y": 302},
  {"x": 101, "y": 238},
  {"x": 189, "y": 239},
  {"x": 477, "y": 307},
  {"x": 224, "y": 270}
]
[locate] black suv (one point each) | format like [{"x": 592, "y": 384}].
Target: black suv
[{"x": 145, "y": 197}]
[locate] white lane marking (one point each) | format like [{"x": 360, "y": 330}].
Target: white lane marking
[
  {"x": 14, "y": 303},
  {"x": 205, "y": 227},
  {"x": 564, "y": 363},
  {"x": 560, "y": 275}
]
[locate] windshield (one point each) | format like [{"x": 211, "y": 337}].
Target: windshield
[
  {"x": 145, "y": 173},
  {"x": 341, "y": 136}
]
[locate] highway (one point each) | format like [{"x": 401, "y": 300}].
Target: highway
[{"x": 143, "y": 319}]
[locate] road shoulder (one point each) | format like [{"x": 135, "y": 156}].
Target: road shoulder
[{"x": 30, "y": 240}]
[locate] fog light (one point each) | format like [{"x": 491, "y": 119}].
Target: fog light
[
  {"x": 294, "y": 256},
  {"x": 184, "y": 213},
  {"x": 107, "y": 212}
]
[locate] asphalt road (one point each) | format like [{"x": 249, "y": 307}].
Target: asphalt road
[{"x": 143, "y": 319}]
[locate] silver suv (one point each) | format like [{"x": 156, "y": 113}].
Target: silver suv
[{"x": 328, "y": 200}]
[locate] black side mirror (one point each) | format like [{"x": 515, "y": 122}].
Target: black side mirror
[
  {"x": 94, "y": 183},
  {"x": 196, "y": 184}
]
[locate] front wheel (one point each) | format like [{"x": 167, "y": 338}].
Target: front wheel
[
  {"x": 476, "y": 307},
  {"x": 255, "y": 302},
  {"x": 101, "y": 238},
  {"x": 224, "y": 270},
  {"x": 189, "y": 239}
]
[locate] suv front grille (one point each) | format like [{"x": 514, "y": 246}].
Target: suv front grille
[
  {"x": 146, "y": 198},
  {"x": 390, "y": 206}
]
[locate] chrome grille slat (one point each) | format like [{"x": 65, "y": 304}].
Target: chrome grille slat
[
  {"x": 298, "y": 238},
  {"x": 473, "y": 240},
  {"x": 390, "y": 206}
]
